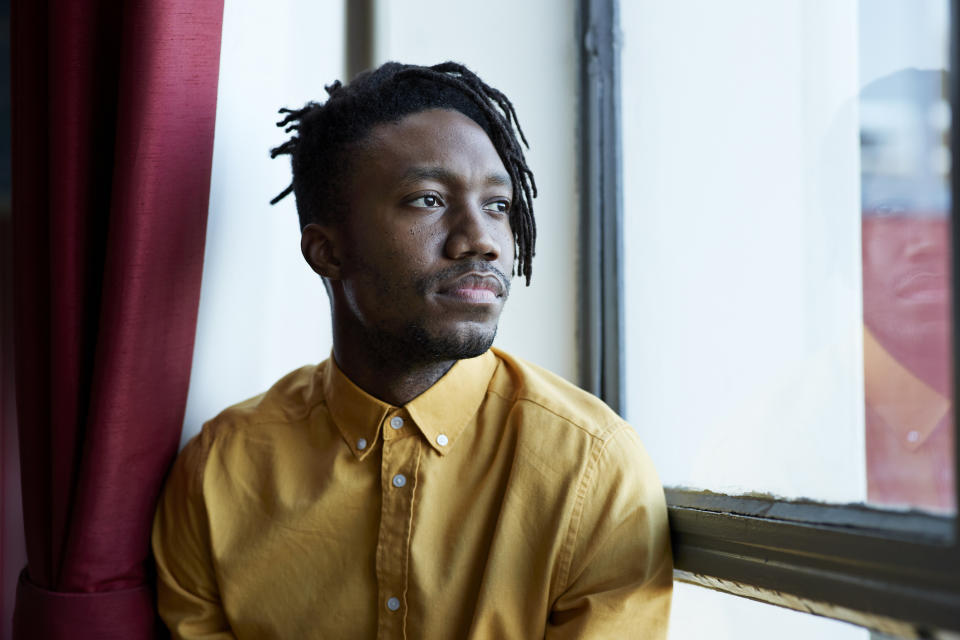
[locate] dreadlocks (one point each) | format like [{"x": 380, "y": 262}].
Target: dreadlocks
[{"x": 324, "y": 134}]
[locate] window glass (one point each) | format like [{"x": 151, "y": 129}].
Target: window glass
[
  {"x": 905, "y": 202},
  {"x": 786, "y": 212}
]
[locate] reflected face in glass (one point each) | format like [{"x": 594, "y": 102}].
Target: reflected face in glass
[{"x": 906, "y": 290}]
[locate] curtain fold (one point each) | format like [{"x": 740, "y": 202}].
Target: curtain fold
[{"x": 113, "y": 118}]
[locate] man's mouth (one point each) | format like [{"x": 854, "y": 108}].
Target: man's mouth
[
  {"x": 923, "y": 286},
  {"x": 476, "y": 288}
]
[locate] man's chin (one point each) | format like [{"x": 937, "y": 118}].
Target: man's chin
[
  {"x": 450, "y": 341},
  {"x": 456, "y": 346}
]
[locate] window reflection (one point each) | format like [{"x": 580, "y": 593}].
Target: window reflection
[{"x": 905, "y": 120}]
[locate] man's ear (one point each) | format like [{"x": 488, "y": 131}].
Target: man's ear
[{"x": 321, "y": 249}]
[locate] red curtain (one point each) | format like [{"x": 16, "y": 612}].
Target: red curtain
[{"x": 113, "y": 117}]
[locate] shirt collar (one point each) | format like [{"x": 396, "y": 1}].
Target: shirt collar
[{"x": 440, "y": 413}]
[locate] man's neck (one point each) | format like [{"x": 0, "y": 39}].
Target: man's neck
[{"x": 391, "y": 381}]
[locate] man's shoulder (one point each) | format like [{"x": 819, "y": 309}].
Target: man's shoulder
[
  {"x": 288, "y": 401},
  {"x": 545, "y": 396},
  {"x": 559, "y": 423}
]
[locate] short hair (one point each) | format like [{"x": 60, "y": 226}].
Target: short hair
[{"x": 324, "y": 135}]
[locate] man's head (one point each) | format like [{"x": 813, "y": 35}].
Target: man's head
[
  {"x": 905, "y": 200},
  {"x": 415, "y": 200}
]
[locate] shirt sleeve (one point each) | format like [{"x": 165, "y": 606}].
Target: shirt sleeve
[
  {"x": 618, "y": 580},
  {"x": 187, "y": 593}
]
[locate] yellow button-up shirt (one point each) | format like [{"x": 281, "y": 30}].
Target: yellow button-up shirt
[{"x": 503, "y": 502}]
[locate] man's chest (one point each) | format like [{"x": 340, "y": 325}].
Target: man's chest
[{"x": 403, "y": 543}]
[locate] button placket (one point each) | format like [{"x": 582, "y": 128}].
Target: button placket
[
  {"x": 396, "y": 427},
  {"x": 398, "y": 479}
]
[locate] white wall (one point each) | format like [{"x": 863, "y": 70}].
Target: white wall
[{"x": 262, "y": 311}]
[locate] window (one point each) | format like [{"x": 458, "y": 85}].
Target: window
[{"x": 779, "y": 229}]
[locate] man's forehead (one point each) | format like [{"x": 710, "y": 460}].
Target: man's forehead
[
  {"x": 434, "y": 144},
  {"x": 416, "y": 174}
]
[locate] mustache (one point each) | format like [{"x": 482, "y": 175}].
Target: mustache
[{"x": 459, "y": 270}]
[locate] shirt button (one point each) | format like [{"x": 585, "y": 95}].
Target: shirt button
[
  {"x": 442, "y": 440},
  {"x": 913, "y": 436},
  {"x": 399, "y": 480},
  {"x": 361, "y": 444},
  {"x": 396, "y": 422},
  {"x": 393, "y": 604}
]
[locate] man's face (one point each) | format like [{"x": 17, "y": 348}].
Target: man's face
[
  {"x": 906, "y": 291},
  {"x": 426, "y": 245}
]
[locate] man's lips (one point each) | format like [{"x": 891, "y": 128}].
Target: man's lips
[
  {"x": 474, "y": 287},
  {"x": 923, "y": 286}
]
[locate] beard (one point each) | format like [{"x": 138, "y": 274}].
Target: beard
[
  {"x": 466, "y": 344},
  {"x": 417, "y": 345}
]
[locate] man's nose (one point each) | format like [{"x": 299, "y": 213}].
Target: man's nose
[
  {"x": 471, "y": 234},
  {"x": 925, "y": 239}
]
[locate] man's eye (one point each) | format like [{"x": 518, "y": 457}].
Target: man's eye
[
  {"x": 427, "y": 202},
  {"x": 499, "y": 206}
]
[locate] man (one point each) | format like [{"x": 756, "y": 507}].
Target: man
[
  {"x": 417, "y": 484},
  {"x": 906, "y": 292}
]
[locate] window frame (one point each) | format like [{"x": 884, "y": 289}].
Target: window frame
[
  {"x": 601, "y": 203},
  {"x": 891, "y": 571}
]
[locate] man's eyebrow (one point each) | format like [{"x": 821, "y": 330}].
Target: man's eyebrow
[
  {"x": 415, "y": 174},
  {"x": 440, "y": 174},
  {"x": 499, "y": 179}
]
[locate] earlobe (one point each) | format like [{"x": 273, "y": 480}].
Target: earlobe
[{"x": 320, "y": 249}]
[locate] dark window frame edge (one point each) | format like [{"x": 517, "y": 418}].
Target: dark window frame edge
[
  {"x": 359, "y": 45},
  {"x": 907, "y": 525},
  {"x": 844, "y": 561},
  {"x": 600, "y": 327}
]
